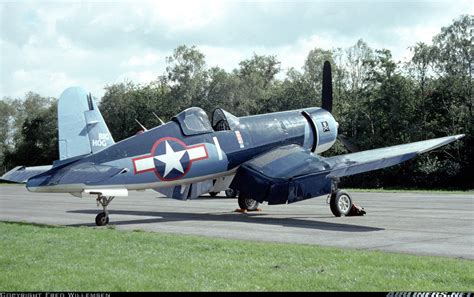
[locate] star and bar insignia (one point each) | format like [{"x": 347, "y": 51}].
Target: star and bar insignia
[{"x": 170, "y": 158}]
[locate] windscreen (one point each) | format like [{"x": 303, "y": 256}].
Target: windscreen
[{"x": 193, "y": 121}]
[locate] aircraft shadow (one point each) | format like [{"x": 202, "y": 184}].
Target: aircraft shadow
[{"x": 254, "y": 218}]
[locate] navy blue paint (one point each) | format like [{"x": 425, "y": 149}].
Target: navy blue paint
[
  {"x": 284, "y": 175},
  {"x": 260, "y": 134},
  {"x": 290, "y": 174}
]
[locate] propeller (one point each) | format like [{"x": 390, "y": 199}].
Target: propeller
[
  {"x": 350, "y": 146},
  {"x": 326, "y": 101},
  {"x": 327, "y": 87}
]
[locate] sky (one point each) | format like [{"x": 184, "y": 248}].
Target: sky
[{"x": 46, "y": 46}]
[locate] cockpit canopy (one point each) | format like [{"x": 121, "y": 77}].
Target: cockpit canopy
[
  {"x": 193, "y": 121},
  {"x": 223, "y": 120}
]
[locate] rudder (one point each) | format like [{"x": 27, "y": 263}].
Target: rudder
[{"x": 82, "y": 129}]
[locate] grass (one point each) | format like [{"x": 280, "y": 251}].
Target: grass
[{"x": 46, "y": 258}]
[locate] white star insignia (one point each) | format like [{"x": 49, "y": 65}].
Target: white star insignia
[{"x": 171, "y": 159}]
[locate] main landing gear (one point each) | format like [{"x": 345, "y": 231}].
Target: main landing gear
[
  {"x": 245, "y": 203},
  {"x": 341, "y": 203},
  {"x": 102, "y": 218}
]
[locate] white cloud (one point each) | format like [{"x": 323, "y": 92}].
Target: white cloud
[
  {"x": 291, "y": 55},
  {"x": 50, "y": 82},
  {"x": 140, "y": 77},
  {"x": 409, "y": 36},
  {"x": 145, "y": 60},
  {"x": 45, "y": 46},
  {"x": 181, "y": 15}
]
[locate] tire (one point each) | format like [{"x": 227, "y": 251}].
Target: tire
[
  {"x": 213, "y": 194},
  {"x": 340, "y": 203},
  {"x": 101, "y": 219},
  {"x": 248, "y": 203},
  {"x": 230, "y": 193}
]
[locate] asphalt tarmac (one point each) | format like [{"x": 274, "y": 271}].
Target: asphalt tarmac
[{"x": 415, "y": 223}]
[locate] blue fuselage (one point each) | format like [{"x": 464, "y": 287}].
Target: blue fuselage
[{"x": 167, "y": 155}]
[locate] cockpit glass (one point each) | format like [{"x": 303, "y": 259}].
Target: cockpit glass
[
  {"x": 223, "y": 120},
  {"x": 193, "y": 121}
]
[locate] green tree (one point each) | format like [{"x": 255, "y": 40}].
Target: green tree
[
  {"x": 294, "y": 92},
  {"x": 187, "y": 77},
  {"x": 35, "y": 142},
  {"x": 7, "y": 112},
  {"x": 313, "y": 71},
  {"x": 124, "y": 103},
  {"x": 256, "y": 79},
  {"x": 222, "y": 91}
]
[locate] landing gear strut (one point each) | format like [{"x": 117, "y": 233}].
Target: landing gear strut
[
  {"x": 341, "y": 203},
  {"x": 102, "y": 218}
]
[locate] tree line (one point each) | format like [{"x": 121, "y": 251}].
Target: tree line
[{"x": 377, "y": 101}]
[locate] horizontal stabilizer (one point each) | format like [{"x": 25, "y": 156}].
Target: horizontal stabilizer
[
  {"x": 88, "y": 174},
  {"x": 21, "y": 174}
]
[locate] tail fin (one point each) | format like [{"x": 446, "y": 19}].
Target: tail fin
[{"x": 82, "y": 129}]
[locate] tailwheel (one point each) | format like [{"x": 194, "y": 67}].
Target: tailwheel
[
  {"x": 340, "y": 203},
  {"x": 246, "y": 203},
  {"x": 102, "y": 219}
]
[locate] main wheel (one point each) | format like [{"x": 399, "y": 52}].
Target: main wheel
[
  {"x": 101, "y": 219},
  {"x": 248, "y": 203},
  {"x": 340, "y": 203},
  {"x": 230, "y": 193},
  {"x": 213, "y": 194}
]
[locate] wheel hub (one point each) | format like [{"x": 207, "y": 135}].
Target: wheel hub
[{"x": 344, "y": 203}]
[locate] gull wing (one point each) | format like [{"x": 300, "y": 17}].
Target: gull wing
[
  {"x": 290, "y": 173},
  {"x": 359, "y": 162}
]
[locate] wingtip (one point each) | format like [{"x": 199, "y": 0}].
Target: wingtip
[{"x": 459, "y": 136}]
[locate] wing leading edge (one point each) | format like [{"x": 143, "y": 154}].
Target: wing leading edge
[
  {"x": 290, "y": 173},
  {"x": 359, "y": 162}
]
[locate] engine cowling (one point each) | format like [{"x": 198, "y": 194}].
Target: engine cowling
[{"x": 323, "y": 128}]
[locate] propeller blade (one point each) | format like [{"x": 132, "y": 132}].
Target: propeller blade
[
  {"x": 327, "y": 87},
  {"x": 348, "y": 144}
]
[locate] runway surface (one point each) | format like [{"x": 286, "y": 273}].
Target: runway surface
[{"x": 416, "y": 223}]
